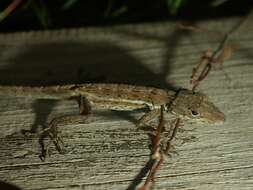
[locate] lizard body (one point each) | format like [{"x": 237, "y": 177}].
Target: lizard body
[{"x": 183, "y": 103}]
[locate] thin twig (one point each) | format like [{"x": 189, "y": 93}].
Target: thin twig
[
  {"x": 156, "y": 156},
  {"x": 210, "y": 58},
  {"x": 157, "y": 153},
  {"x": 9, "y": 9}
]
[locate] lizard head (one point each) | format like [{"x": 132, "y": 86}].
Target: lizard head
[{"x": 195, "y": 106}]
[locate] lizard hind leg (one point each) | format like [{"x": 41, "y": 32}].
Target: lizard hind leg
[
  {"x": 52, "y": 130},
  {"x": 54, "y": 133}
]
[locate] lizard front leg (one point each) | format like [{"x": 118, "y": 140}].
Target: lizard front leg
[
  {"x": 53, "y": 132},
  {"x": 148, "y": 117}
]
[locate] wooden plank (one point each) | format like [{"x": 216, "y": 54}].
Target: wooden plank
[{"x": 108, "y": 152}]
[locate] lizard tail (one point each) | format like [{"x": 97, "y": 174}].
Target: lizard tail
[{"x": 49, "y": 92}]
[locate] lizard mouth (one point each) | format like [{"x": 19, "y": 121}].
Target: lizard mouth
[
  {"x": 213, "y": 115},
  {"x": 216, "y": 118}
]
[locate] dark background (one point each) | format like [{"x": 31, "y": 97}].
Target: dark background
[{"x": 54, "y": 14}]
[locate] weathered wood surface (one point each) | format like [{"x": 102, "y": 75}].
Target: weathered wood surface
[{"x": 108, "y": 152}]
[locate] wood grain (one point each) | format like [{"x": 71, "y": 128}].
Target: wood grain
[{"x": 108, "y": 152}]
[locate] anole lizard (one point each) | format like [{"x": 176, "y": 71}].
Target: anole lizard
[{"x": 183, "y": 103}]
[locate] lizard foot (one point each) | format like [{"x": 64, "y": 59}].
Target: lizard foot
[
  {"x": 52, "y": 131},
  {"x": 54, "y": 135}
]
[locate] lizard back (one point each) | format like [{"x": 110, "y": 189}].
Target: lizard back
[{"x": 122, "y": 96}]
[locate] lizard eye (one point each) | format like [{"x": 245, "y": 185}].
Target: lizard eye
[{"x": 195, "y": 113}]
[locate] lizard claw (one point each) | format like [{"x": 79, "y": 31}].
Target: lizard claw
[{"x": 58, "y": 142}]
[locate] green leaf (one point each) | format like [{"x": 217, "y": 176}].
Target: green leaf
[
  {"x": 175, "y": 5},
  {"x": 123, "y": 9},
  {"x": 217, "y": 3},
  {"x": 68, "y": 4},
  {"x": 41, "y": 11}
]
